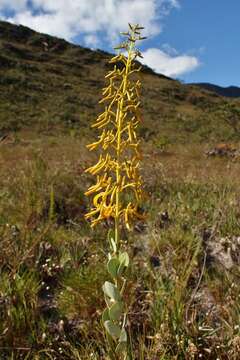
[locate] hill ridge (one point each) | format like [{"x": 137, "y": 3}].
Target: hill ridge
[
  {"x": 227, "y": 91},
  {"x": 49, "y": 83}
]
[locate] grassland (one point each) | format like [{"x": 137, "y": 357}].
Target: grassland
[{"x": 184, "y": 280}]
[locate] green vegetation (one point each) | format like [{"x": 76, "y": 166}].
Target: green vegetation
[
  {"x": 184, "y": 279},
  {"x": 49, "y": 85}
]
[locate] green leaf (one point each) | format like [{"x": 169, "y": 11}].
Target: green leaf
[
  {"x": 113, "y": 244},
  {"x": 111, "y": 291},
  {"x": 108, "y": 301},
  {"x": 124, "y": 258},
  {"x": 112, "y": 329},
  {"x": 105, "y": 315},
  {"x": 111, "y": 240},
  {"x": 120, "y": 269},
  {"x": 115, "y": 311},
  {"x": 123, "y": 336},
  {"x": 112, "y": 266},
  {"x": 121, "y": 347},
  {"x": 124, "y": 262}
]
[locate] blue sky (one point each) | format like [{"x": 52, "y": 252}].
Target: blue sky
[
  {"x": 210, "y": 30},
  {"x": 193, "y": 40}
]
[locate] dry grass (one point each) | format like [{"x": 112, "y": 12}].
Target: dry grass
[{"x": 184, "y": 305}]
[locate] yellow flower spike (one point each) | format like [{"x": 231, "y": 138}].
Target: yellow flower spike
[
  {"x": 98, "y": 167},
  {"x": 113, "y": 194},
  {"x": 98, "y": 163},
  {"x": 101, "y": 196},
  {"x": 110, "y": 73},
  {"x": 108, "y": 88},
  {"x": 130, "y": 133},
  {"x": 102, "y": 120},
  {"x": 95, "y": 144},
  {"x": 119, "y": 158},
  {"x": 115, "y": 59},
  {"x": 101, "y": 182},
  {"x": 91, "y": 213},
  {"x": 93, "y": 189},
  {"x": 117, "y": 193},
  {"x": 108, "y": 97},
  {"x": 127, "y": 214},
  {"x": 103, "y": 123},
  {"x": 108, "y": 139}
]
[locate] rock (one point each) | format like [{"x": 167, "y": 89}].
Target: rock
[
  {"x": 223, "y": 149},
  {"x": 163, "y": 220},
  {"x": 155, "y": 261},
  {"x": 224, "y": 251},
  {"x": 206, "y": 303}
]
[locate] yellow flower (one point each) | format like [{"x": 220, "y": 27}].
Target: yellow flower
[{"x": 118, "y": 189}]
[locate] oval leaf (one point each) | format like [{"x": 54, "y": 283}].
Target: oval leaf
[
  {"x": 112, "y": 329},
  {"x": 123, "y": 336},
  {"x": 105, "y": 315},
  {"x": 121, "y": 347},
  {"x": 115, "y": 311},
  {"x": 111, "y": 291},
  {"x": 121, "y": 268},
  {"x": 112, "y": 266},
  {"x": 124, "y": 259},
  {"x": 124, "y": 262}
]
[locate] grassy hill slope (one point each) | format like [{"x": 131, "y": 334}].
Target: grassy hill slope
[{"x": 49, "y": 84}]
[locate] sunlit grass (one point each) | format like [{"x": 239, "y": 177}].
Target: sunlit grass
[{"x": 171, "y": 288}]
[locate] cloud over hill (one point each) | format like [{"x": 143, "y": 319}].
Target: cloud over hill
[{"x": 98, "y": 22}]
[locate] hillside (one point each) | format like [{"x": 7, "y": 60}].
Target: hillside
[
  {"x": 48, "y": 84},
  {"x": 230, "y": 91}
]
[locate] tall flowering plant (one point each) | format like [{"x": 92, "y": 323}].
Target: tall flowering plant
[{"x": 117, "y": 192}]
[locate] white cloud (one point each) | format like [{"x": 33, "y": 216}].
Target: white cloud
[
  {"x": 53, "y": 24},
  {"x": 98, "y": 20},
  {"x": 168, "y": 49},
  {"x": 91, "y": 40},
  {"x": 167, "y": 64},
  {"x": 71, "y": 18}
]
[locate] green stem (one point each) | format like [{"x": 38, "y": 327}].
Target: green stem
[
  {"x": 119, "y": 128},
  {"x": 119, "y": 116}
]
